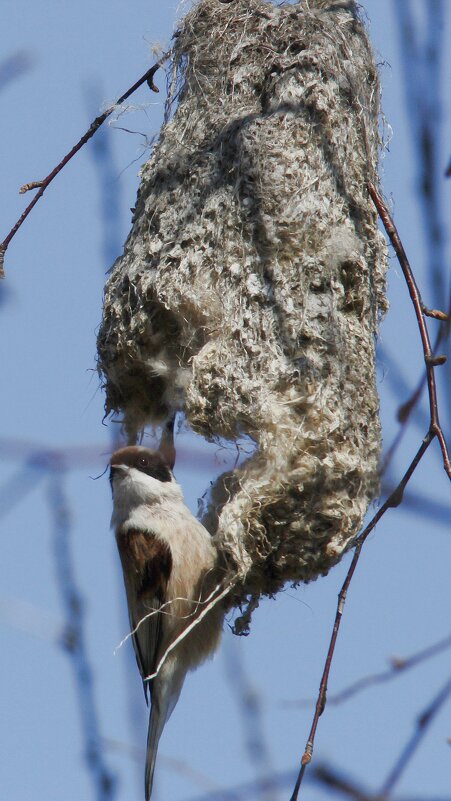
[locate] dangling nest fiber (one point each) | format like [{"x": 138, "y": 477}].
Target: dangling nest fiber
[{"x": 252, "y": 281}]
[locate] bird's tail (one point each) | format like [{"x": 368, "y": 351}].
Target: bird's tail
[
  {"x": 156, "y": 726},
  {"x": 163, "y": 699}
]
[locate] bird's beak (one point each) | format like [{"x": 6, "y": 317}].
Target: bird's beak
[{"x": 117, "y": 467}]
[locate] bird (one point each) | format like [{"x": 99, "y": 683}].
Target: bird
[{"x": 169, "y": 564}]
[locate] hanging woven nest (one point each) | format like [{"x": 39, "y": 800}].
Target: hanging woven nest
[{"x": 252, "y": 281}]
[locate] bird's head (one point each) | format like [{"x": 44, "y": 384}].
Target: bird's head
[{"x": 139, "y": 472}]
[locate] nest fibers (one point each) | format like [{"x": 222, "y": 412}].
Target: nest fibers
[{"x": 252, "y": 280}]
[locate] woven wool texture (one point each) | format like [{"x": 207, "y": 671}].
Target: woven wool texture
[{"x": 252, "y": 281}]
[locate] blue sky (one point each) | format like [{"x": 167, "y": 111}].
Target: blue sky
[{"x": 80, "y": 57}]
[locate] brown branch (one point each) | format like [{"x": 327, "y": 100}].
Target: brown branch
[
  {"x": 422, "y": 53},
  {"x": 431, "y": 361},
  {"x": 321, "y": 700},
  {"x": 95, "y": 125},
  {"x": 395, "y": 498},
  {"x": 408, "y": 406}
]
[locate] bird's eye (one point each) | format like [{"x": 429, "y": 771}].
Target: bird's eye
[{"x": 143, "y": 461}]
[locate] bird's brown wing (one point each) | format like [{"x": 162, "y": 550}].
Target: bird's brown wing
[{"x": 146, "y": 563}]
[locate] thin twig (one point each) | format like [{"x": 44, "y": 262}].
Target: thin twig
[
  {"x": 424, "y": 720},
  {"x": 406, "y": 408},
  {"x": 396, "y": 496},
  {"x": 422, "y": 52},
  {"x": 392, "y": 501},
  {"x": 321, "y": 700},
  {"x": 400, "y": 388},
  {"x": 95, "y": 125},
  {"x": 431, "y": 360}
]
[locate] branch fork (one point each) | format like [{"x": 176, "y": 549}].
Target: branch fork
[{"x": 435, "y": 431}]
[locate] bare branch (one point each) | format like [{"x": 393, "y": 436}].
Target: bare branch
[
  {"x": 422, "y": 52},
  {"x": 392, "y": 501},
  {"x": 95, "y": 125},
  {"x": 395, "y": 498},
  {"x": 430, "y": 360}
]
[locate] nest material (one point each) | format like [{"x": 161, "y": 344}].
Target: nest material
[{"x": 252, "y": 280}]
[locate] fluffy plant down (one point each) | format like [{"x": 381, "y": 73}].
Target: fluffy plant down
[{"x": 252, "y": 281}]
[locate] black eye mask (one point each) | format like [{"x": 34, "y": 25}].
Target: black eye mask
[
  {"x": 150, "y": 462},
  {"x": 154, "y": 467}
]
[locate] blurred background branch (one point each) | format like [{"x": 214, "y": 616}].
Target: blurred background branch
[
  {"x": 73, "y": 640},
  {"x": 250, "y": 710},
  {"x": 397, "y": 666},
  {"x": 14, "y": 66}
]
